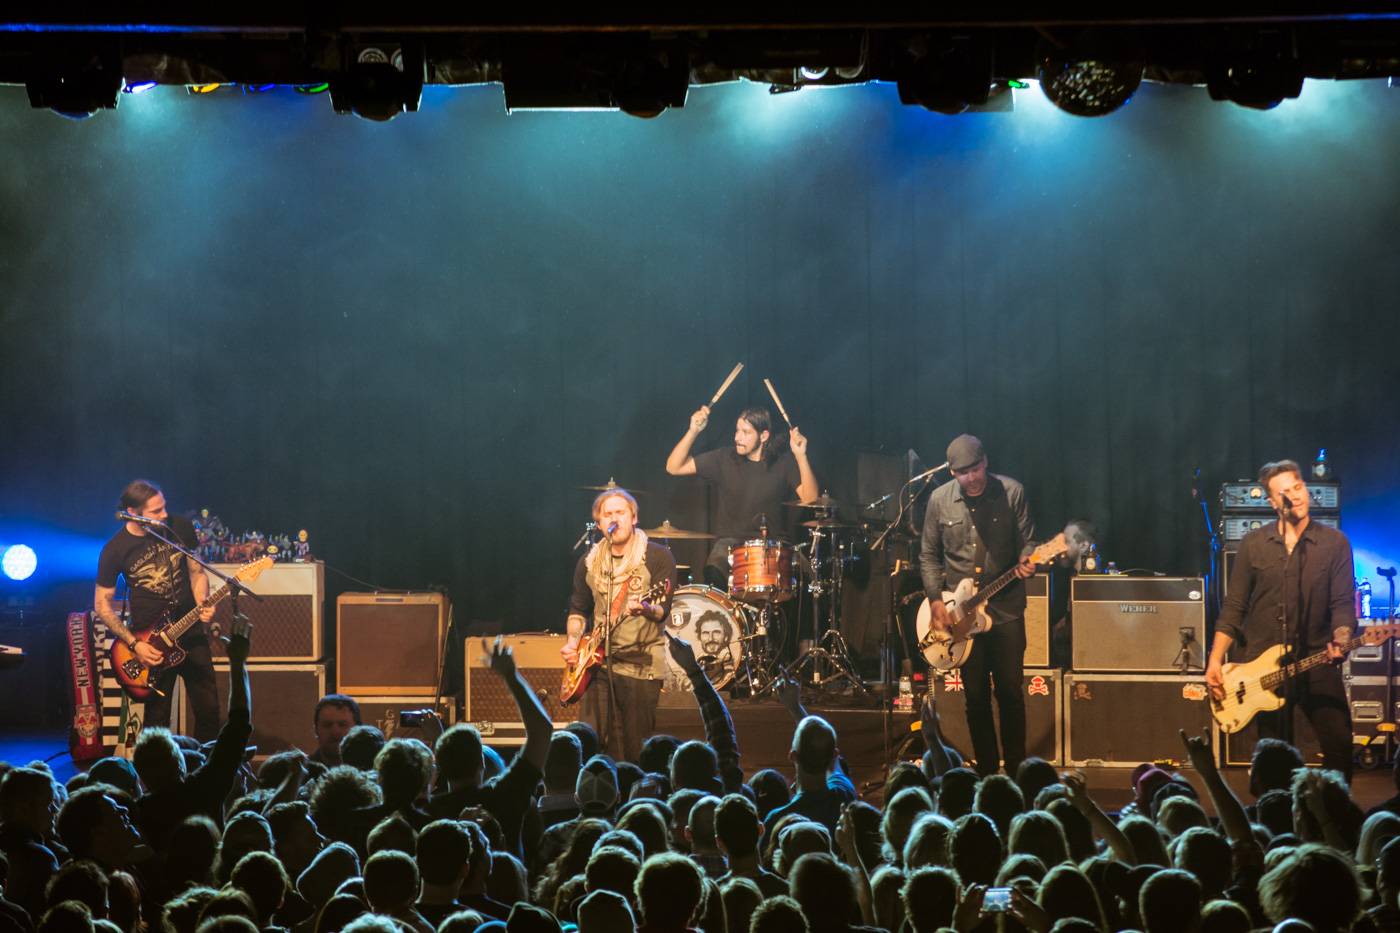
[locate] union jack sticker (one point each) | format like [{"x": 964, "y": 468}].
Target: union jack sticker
[
  {"x": 1038, "y": 687},
  {"x": 953, "y": 682}
]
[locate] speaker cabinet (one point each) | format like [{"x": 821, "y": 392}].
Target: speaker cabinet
[
  {"x": 287, "y": 622},
  {"x": 1146, "y": 624},
  {"x": 1123, "y": 720},
  {"x": 284, "y": 700},
  {"x": 1038, "y": 621},
  {"x": 389, "y": 644},
  {"x": 1041, "y": 690},
  {"x": 491, "y": 708},
  {"x": 1375, "y": 709}
]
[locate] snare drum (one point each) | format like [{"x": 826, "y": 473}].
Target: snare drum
[
  {"x": 762, "y": 571},
  {"x": 714, "y": 625}
]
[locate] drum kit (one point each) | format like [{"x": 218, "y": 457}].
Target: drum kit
[{"x": 738, "y": 632}]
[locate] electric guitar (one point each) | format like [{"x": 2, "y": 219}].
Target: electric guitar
[
  {"x": 945, "y": 649},
  {"x": 593, "y": 651},
  {"x": 136, "y": 678},
  {"x": 1251, "y": 687}
]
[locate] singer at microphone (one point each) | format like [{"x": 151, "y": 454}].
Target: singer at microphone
[{"x": 127, "y": 516}]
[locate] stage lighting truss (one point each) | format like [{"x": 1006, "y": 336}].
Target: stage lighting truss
[
  {"x": 19, "y": 562},
  {"x": 1093, "y": 74},
  {"x": 1259, "y": 72},
  {"x": 946, "y": 73}
]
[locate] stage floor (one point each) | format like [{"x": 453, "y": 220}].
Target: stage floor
[{"x": 765, "y": 735}]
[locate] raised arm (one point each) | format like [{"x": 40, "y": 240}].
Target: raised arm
[
  {"x": 806, "y": 489},
  {"x": 538, "y": 727},
  {"x": 719, "y": 728},
  {"x": 680, "y": 462},
  {"x": 1098, "y": 820}
]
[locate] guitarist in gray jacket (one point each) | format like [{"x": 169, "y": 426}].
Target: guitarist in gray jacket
[
  {"x": 1292, "y": 584},
  {"x": 979, "y": 526}
]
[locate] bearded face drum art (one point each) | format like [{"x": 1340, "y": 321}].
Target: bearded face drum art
[{"x": 714, "y": 626}]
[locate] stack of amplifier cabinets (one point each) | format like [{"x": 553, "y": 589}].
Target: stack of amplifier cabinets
[
  {"x": 287, "y": 667},
  {"x": 1136, "y": 676}
]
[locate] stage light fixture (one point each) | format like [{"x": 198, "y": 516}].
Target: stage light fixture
[
  {"x": 202, "y": 88},
  {"x": 77, "y": 89},
  {"x": 1259, "y": 85},
  {"x": 19, "y": 562},
  {"x": 258, "y": 88},
  {"x": 381, "y": 81},
  {"x": 946, "y": 74},
  {"x": 1093, "y": 74},
  {"x": 139, "y": 87},
  {"x": 642, "y": 82},
  {"x": 321, "y": 88},
  {"x": 813, "y": 74}
]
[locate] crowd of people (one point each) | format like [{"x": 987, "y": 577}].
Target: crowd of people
[{"x": 369, "y": 834}]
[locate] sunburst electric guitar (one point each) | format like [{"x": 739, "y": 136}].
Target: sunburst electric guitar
[
  {"x": 593, "y": 651},
  {"x": 945, "y": 649},
  {"x": 1252, "y": 687},
  {"x": 135, "y": 677}
]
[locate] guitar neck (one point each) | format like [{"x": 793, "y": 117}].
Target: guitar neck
[
  {"x": 1287, "y": 671},
  {"x": 178, "y": 628},
  {"x": 991, "y": 589}
]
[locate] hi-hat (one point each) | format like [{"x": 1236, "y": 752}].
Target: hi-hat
[
  {"x": 612, "y": 484},
  {"x": 821, "y": 502},
  {"x": 667, "y": 530}
]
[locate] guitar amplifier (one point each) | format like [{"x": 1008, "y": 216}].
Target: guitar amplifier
[
  {"x": 489, "y": 705},
  {"x": 1123, "y": 720},
  {"x": 389, "y": 644},
  {"x": 283, "y": 696},
  {"x": 1145, "y": 624},
  {"x": 1037, "y": 621},
  {"x": 288, "y": 618},
  {"x": 1044, "y": 735}
]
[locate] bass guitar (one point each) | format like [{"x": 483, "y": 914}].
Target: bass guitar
[
  {"x": 1253, "y": 686},
  {"x": 136, "y": 678},
  {"x": 947, "y": 648},
  {"x": 593, "y": 651}
]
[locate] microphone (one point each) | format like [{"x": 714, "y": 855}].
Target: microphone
[
  {"x": 140, "y": 520},
  {"x": 612, "y": 528},
  {"x": 927, "y": 473},
  {"x": 880, "y": 501},
  {"x": 588, "y": 528}
]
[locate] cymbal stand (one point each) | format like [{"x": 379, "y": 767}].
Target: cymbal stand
[
  {"x": 760, "y": 661},
  {"x": 829, "y": 649}
]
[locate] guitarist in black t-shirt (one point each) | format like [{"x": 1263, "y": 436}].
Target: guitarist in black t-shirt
[{"x": 161, "y": 582}]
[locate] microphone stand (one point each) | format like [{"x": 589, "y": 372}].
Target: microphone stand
[
  {"x": 1212, "y": 568},
  {"x": 892, "y": 619}
]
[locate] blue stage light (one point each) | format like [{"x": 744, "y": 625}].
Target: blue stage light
[
  {"x": 140, "y": 87},
  {"x": 19, "y": 561}
]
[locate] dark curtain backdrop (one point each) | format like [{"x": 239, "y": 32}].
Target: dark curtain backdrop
[{"x": 417, "y": 339}]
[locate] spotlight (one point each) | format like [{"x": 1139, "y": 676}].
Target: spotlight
[
  {"x": 813, "y": 74},
  {"x": 139, "y": 87},
  {"x": 77, "y": 88},
  {"x": 202, "y": 88},
  {"x": 1093, "y": 75},
  {"x": 321, "y": 88},
  {"x": 946, "y": 74},
  {"x": 19, "y": 561},
  {"x": 381, "y": 82}
]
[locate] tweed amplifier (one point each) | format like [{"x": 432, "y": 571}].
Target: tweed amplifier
[
  {"x": 389, "y": 644},
  {"x": 1145, "y": 624},
  {"x": 491, "y": 708},
  {"x": 288, "y": 617}
]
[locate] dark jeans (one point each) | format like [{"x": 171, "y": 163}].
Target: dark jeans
[
  {"x": 633, "y": 714},
  {"x": 995, "y": 666},
  {"x": 1321, "y": 696},
  {"x": 198, "y": 673}
]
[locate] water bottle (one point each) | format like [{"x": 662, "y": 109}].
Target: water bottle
[
  {"x": 905, "y": 700},
  {"x": 1363, "y": 599},
  {"x": 1321, "y": 468}
]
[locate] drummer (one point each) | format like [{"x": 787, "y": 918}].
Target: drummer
[{"x": 754, "y": 477}]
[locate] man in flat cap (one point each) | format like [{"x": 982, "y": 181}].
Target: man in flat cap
[{"x": 978, "y": 525}]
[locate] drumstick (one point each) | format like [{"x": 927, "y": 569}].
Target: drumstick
[
  {"x": 774, "y": 392},
  {"x": 729, "y": 380}
]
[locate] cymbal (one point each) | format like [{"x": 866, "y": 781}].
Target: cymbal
[
  {"x": 827, "y": 523},
  {"x": 613, "y": 484},
  {"x": 667, "y": 530},
  {"x": 821, "y": 502}
]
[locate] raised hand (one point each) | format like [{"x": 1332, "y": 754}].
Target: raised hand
[
  {"x": 1198, "y": 751},
  {"x": 797, "y": 442},
  {"x": 683, "y": 654},
  {"x": 499, "y": 657},
  {"x": 700, "y": 419},
  {"x": 236, "y": 642}
]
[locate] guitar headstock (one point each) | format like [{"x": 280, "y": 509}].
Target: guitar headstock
[
  {"x": 1375, "y": 634},
  {"x": 253, "y": 569},
  {"x": 1050, "y": 550}
]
